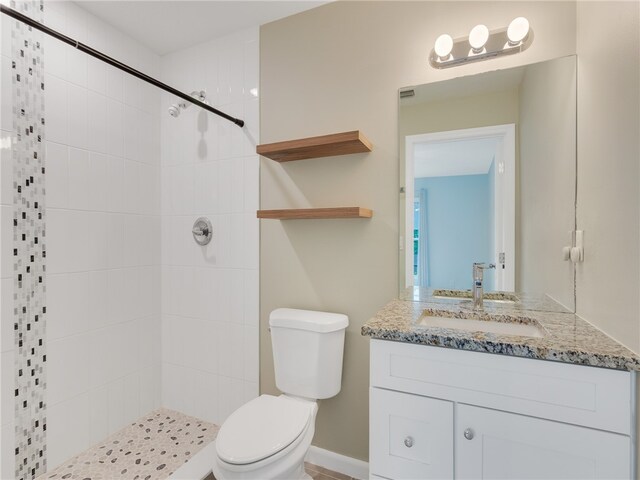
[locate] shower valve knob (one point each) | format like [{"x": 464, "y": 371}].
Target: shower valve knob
[{"x": 202, "y": 231}]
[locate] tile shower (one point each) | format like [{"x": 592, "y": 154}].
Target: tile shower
[{"x": 137, "y": 315}]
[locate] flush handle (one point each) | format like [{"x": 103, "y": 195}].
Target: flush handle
[
  {"x": 408, "y": 442},
  {"x": 469, "y": 434}
]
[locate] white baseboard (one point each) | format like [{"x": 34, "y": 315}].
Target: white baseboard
[
  {"x": 338, "y": 463},
  {"x": 199, "y": 466}
]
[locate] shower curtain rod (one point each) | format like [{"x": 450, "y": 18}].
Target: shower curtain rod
[{"x": 115, "y": 63}]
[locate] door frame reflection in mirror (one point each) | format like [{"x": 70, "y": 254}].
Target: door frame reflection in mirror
[{"x": 504, "y": 201}]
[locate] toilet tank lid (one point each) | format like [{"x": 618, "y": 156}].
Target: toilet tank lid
[{"x": 322, "y": 322}]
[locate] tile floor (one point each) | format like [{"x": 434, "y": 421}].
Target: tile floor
[
  {"x": 316, "y": 473},
  {"x": 321, "y": 473},
  {"x": 152, "y": 448}
]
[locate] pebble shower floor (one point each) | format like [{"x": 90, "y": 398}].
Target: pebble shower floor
[{"x": 151, "y": 448}]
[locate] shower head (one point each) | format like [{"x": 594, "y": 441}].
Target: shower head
[{"x": 174, "y": 110}]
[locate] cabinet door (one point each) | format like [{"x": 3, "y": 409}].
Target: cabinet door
[
  {"x": 500, "y": 445},
  {"x": 411, "y": 436}
]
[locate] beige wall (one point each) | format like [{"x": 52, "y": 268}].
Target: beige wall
[
  {"x": 457, "y": 113},
  {"x": 608, "y": 200},
  {"x": 548, "y": 179},
  {"x": 337, "y": 68},
  {"x": 608, "y": 282}
]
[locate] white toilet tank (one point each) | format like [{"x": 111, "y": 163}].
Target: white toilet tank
[{"x": 307, "y": 351}]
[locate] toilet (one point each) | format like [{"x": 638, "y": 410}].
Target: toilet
[{"x": 268, "y": 437}]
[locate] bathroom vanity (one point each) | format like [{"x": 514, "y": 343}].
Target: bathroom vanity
[
  {"x": 522, "y": 388},
  {"x": 498, "y": 405}
]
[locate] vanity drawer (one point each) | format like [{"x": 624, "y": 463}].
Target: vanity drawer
[
  {"x": 411, "y": 436},
  {"x": 593, "y": 397}
]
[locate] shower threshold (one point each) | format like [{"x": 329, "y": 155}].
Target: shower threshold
[{"x": 151, "y": 448}]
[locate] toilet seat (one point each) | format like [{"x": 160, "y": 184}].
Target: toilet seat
[{"x": 261, "y": 428}]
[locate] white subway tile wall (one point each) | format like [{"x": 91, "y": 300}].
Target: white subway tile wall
[
  {"x": 209, "y": 168},
  {"x": 103, "y": 238},
  {"x": 138, "y": 315},
  {"x": 7, "y": 405}
]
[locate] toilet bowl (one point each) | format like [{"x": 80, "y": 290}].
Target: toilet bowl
[{"x": 268, "y": 437}]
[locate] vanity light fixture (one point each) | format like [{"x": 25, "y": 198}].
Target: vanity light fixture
[
  {"x": 481, "y": 44},
  {"x": 518, "y": 30},
  {"x": 478, "y": 37},
  {"x": 443, "y": 46}
]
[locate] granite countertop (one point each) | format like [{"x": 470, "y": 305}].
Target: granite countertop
[
  {"x": 526, "y": 301},
  {"x": 568, "y": 338}
]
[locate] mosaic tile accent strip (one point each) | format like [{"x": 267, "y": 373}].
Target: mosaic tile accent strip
[
  {"x": 151, "y": 448},
  {"x": 28, "y": 242}
]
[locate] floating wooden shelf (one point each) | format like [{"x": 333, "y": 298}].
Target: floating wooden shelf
[
  {"x": 316, "y": 213},
  {"x": 343, "y": 143}
]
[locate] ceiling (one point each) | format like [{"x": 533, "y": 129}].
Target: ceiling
[
  {"x": 460, "y": 157},
  {"x": 169, "y": 26}
]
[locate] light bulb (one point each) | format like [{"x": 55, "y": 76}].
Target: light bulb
[
  {"x": 518, "y": 30},
  {"x": 444, "y": 45},
  {"x": 478, "y": 36}
]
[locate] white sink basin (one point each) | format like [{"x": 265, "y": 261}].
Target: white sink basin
[{"x": 502, "y": 325}]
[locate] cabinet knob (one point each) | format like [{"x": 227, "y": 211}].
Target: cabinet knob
[
  {"x": 408, "y": 442},
  {"x": 468, "y": 434}
]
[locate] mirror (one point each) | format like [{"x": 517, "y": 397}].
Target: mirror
[{"x": 488, "y": 174}]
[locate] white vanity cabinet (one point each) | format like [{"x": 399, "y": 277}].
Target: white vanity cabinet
[
  {"x": 446, "y": 413},
  {"x": 415, "y": 433},
  {"x": 509, "y": 446}
]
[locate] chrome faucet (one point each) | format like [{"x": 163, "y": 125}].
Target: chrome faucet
[{"x": 478, "y": 292}]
